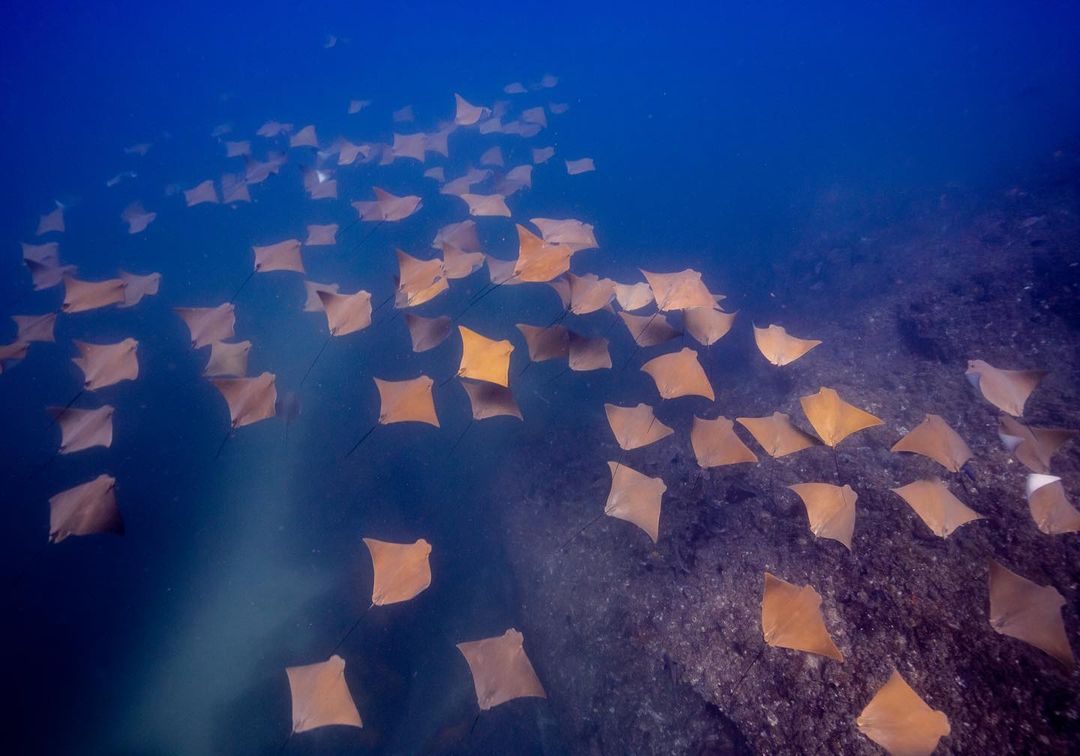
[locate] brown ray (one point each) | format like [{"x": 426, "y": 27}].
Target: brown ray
[
  {"x": 313, "y": 303},
  {"x": 51, "y": 222},
  {"x": 204, "y": 192},
  {"x": 402, "y": 570},
  {"x": 582, "y": 165},
  {"x": 489, "y": 400},
  {"x": 281, "y": 256},
  {"x": 83, "y": 429},
  {"x": 320, "y": 696},
  {"x": 715, "y": 443},
  {"x": 406, "y": 401},
  {"x": 1033, "y": 447},
  {"x": 934, "y": 438},
  {"x": 901, "y": 722},
  {"x": 679, "y": 374},
  {"x": 484, "y": 359},
  {"x": 707, "y": 324},
  {"x": 830, "y": 510},
  {"x": 491, "y": 205},
  {"x": 587, "y": 353},
  {"x": 1050, "y": 509},
  {"x": 305, "y": 137},
  {"x": 387, "y": 207},
  {"x": 589, "y": 293},
  {"x": 85, "y": 509},
  {"x": 545, "y": 343},
  {"x": 427, "y": 333},
  {"x": 500, "y": 669},
  {"x": 1008, "y": 390},
  {"x": 208, "y": 324},
  {"x": 502, "y": 272},
  {"x": 791, "y": 618},
  {"x": 648, "y": 330},
  {"x": 1029, "y": 612},
  {"x": 137, "y": 218},
  {"x": 776, "y": 435},
  {"x": 228, "y": 359},
  {"x": 537, "y": 261},
  {"x": 35, "y": 327},
  {"x": 250, "y": 399},
  {"x": 635, "y": 427},
  {"x": 779, "y": 347},
  {"x": 81, "y": 296},
  {"x": 935, "y": 505},
  {"x": 465, "y": 113},
  {"x": 419, "y": 281},
  {"x": 633, "y": 296},
  {"x": 14, "y": 352},
  {"x": 461, "y": 235},
  {"x": 321, "y": 235},
  {"x": 459, "y": 264},
  {"x": 562, "y": 288},
  {"x": 679, "y": 291},
  {"x": 834, "y": 419},
  {"x": 105, "y": 364},
  {"x": 635, "y": 498},
  {"x": 346, "y": 313},
  {"x": 569, "y": 232}
]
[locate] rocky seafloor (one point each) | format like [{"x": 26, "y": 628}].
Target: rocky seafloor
[{"x": 655, "y": 648}]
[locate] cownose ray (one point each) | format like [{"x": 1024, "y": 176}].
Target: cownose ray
[
  {"x": 438, "y": 173},
  {"x": 312, "y": 288},
  {"x": 458, "y": 263},
  {"x": 634, "y": 427},
  {"x": 534, "y": 115},
  {"x": 319, "y": 184},
  {"x": 537, "y": 260},
  {"x": 137, "y": 286},
  {"x": 227, "y": 360},
  {"x": 587, "y": 352},
  {"x": 345, "y": 314},
  {"x": 284, "y": 255},
  {"x": 35, "y": 327},
  {"x": 464, "y": 183},
  {"x": 202, "y": 193},
  {"x": 305, "y": 137},
  {"x": 1033, "y": 447},
  {"x": 632, "y": 297},
  {"x": 249, "y": 399},
  {"x": 438, "y": 141},
  {"x": 321, "y": 235},
  {"x": 679, "y": 374},
  {"x": 349, "y": 152},
  {"x": 237, "y": 149},
  {"x": 411, "y": 146},
  {"x": 589, "y": 293},
  {"x": 500, "y": 273},
  {"x": 208, "y": 324},
  {"x": 581, "y": 165},
  {"x": 462, "y": 235},
  {"x": 355, "y": 106},
  {"x": 635, "y": 498},
  {"x": 776, "y": 435},
  {"x": 320, "y": 696},
  {"x": 51, "y": 222},
  {"x": 899, "y": 721},
  {"x": 484, "y": 359},
  {"x": 679, "y": 291},
  {"x": 106, "y": 364},
  {"x": 514, "y": 180},
  {"x": 648, "y": 330},
  {"x": 273, "y": 128},
  {"x": 568, "y": 231},
  {"x": 545, "y": 343},
  {"x": 791, "y": 618},
  {"x": 419, "y": 281},
  {"x": 1008, "y": 390},
  {"x": 1027, "y": 611},
  {"x": 234, "y": 188},
  {"x": 779, "y": 347},
  {"x": 832, "y": 418},
  {"x": 13, "y": 352},
  {"x": 515, "y": 87},
  {"x": 561, "y": 287},
  {"x": 387, "y": 207},
  {"x": 493, "y": 157},
  {"x": 501, "y": 671},
  {"x": 489, "y": 400},
  {"x": 830, "y": 510},
  {"x": 83, "y": 296},
  {"x": 486, "y": 205},
  {"x": 137, "y": 218},
  {"x": 715, "y": 443},
  {"x": 427, "y": 333},
  {"x": 401, "y": 570},
  {"x": 934, "y": 438},
  {"x": 43, "y": 262},
  {"x": 1050, "y": 509},
  {"x": 85, "y": 509},
  {"x": 467, "y": 114},
  {"x": 408, "y": 401},
  {"x": 83, "y": 429},
  {"x": 936, "y": 506},
  {"x": 707, "y": 324},
  {"x": 558, "y": 108},
  {"x": 541, "y": 155}
]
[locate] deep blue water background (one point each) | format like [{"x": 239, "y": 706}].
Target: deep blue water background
[{"x": 724, "y": 137}]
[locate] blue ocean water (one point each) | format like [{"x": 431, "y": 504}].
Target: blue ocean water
[{"x": 723, "y": 137}]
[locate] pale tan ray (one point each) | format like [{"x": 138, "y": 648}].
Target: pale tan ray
[
  {"x": 465, "y": 113},
  {"x": 346, "y": 313},
  {"x": 633, "y": 297},
  {"x": 901, "y": 722},
  {"x": 493, "y": 156},
  {"x": 234, "y": 188},
  {"x": 406, "y": 401},
  {"x": 791, "y": 618},
  {"x": 305, "y": 137},
  {"x": 439, "y": 141},
  {"x": 419, "y": 281},
  {"x": 427, "y": 333},
  {"x": 202, "y": 193},
  {"x": 46, "y": 276},
  {"x": 679, "y": 374},
  {"x": 514, "y": 180},
  {"x": 52, "y": 222},
  {"x": 137, "y": 218},
  {"x": 85, "y": 509},
  {"x": 634, "y": 427},
  {"x": 568, "y": 232},
  {"x": 1033, "y": 447},
  {"x": 545, "y": 343},
  {"x": 387, "y": 207},
  {"x": 489, "y": 400},
  {"x": 250, "y": 399},
  {"x": 320, "y": 696},
  {"x": 776, "y": 435},
  {"x": 1050, "y": 509},
  {"x": 648, "y": 330},
  {"x": 237, "y": 149},
  {"x": 501, "y": 272},
  {"x": 410, "y": 146},
  {"x": 715, "y": 443},
  {"x": 1029, "y": 612},
  {"x": 589, "y": 293},
  {"x": 320, "y": 185},
  {"x": 486, "y": 205},
  {"x": 355, "y": 106},
  {"x": 271, "y": 129},
  {"x": 679, "y": 291},
  {"x": 834, "y": 419},
  {"x": 458, "y": 264},
  {"x": 82, "y": 296},
  {"x": 463, "y": 184},
  {"x": 561, "y": 287},
  {"x": 350, "y": 152},
  {"x": 587, "y": 353},
  {"x": 13, "y": 352},
  {"x": 462, "y": 236},
  {"x": 402, "y": 570},
  {"x": 500, "y": 669},
  {"x": 208, "y": 324},
  {"x": 313, "y": 303},
  {"x": 321, "y": 235},
  {"x": 105, "y": 364},
  {"x": 484, "y": 359},
  {"x": 779, "y": 347},
  {"x": 515, "y": 87},
  {"x": 228, "y": 359},
  {"x": 83, "y": 429},
  {"x": 935, "y": 505},
  {"x": 35, "y": 327},
  {"x": 934, "y": 438},
  {"x": 537, "y": 261},
  {"x": 558, "y": 108},
  {"x": 136, "y": 287},
  {"x": 635, "y": 498},
  {"x": 438, "y": 173},
  {"x": 281, "y": 256},
  {"x": 582, "y": 165},
  {"x": 830, "y": 510},
  {"x": 541, "y": 155},
  {"x": 1008, "y": 390},
  {"x": 534, "y": 115},
  {"x": 707, "y": 325}
]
